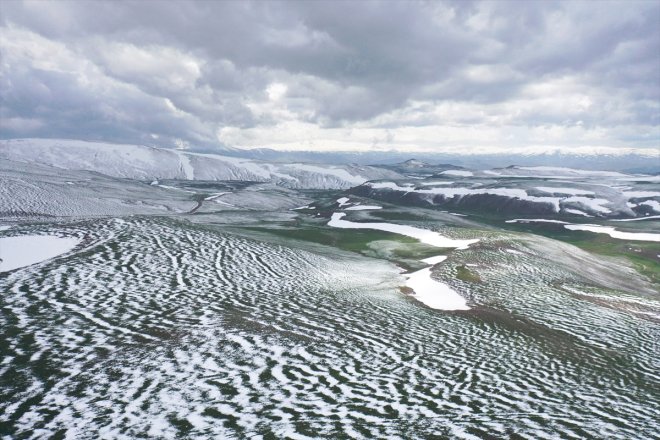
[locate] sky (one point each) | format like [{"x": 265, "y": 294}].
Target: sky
[{"x": 345, "y": 76}]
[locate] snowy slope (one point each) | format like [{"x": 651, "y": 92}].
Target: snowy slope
[
  {"x": 33, "y": 190},
  {"x": 527, "y": 191},
  {"x": 141, "y": 162}
]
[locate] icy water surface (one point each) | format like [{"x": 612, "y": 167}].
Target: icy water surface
[{"x": 155, "y": 328}]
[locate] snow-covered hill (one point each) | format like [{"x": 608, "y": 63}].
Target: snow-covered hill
[
  {"x": 526, "y": 191},
  {"x": 141, "y": 162},
  {"x": 636, "y": 160},
  {"x": 38, "y": 191}
]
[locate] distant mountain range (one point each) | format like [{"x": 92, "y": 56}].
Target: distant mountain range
[
  {"x": 553, "y": 192},
  {"x": 146, "y": 163},
  {"x": 559, "y": 192},
  {"x": 630, "y": 160},
  {"x": 624, "y": 159},
  {"x": 300, "y": 169}
]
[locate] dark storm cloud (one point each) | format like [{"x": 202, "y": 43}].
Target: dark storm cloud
[{"x": 159, "y": 72}]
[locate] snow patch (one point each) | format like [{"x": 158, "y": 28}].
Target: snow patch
[
  {"x": 640, "y": 194},
  {"x": 442, "y": 182},
  {"x": 363, "y": 207},
  {"x": 434, "y": 294},
  {"x": 21, "y": 251},
  {"x": 424, "y": 235},
  {"x": 650, "y": 217},
  {"x": 577, "y": 212},
  {"x": 216, "y": 195},
  {"x": 460, "y": 173},
  {"x": 593, "y": 204},
  {"x": 612, "y": 232},
  {"x": 653, "y": 204},
  {"x": 564, "y": 190},
  {"x": 390, "y": 185},
  {"x": 434, "y": 260}
]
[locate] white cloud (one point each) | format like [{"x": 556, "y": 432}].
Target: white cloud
[
  {"x": 276, "y": 91},
  {"x": 361, "y": 76},
  {"x": 167, "y": 66}
]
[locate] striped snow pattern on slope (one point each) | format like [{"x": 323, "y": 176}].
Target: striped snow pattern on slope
[
  {"x": 147, "y": 163},
  {"x": 162, "y": 329}
]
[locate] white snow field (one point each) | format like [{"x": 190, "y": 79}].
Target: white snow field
[
  {"x": 433, "y": 293},
  {"x": 25, "y": 250},
  {"x": 424, "y": 235}
]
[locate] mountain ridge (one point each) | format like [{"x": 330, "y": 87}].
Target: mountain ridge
[{"x": 147, "y": 163}]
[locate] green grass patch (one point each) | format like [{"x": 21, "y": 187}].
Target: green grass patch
[
  {"x": 403, "y": 251},
  {"x": 346, "y": 239},
  {"x": 397, "y": 215},
  {"x": 642, "y": 255},
  {"x": 465, "y": 274}
]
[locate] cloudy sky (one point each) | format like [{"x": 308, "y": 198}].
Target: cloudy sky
[{"x": 417, "y": 76}]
